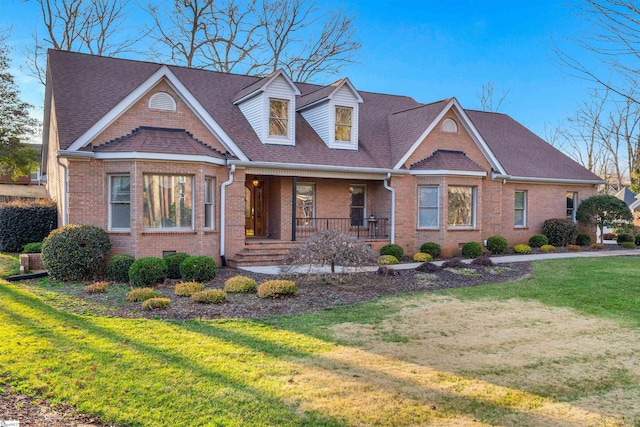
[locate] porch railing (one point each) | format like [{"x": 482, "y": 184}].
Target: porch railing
[{"x": 361, "y": 228}]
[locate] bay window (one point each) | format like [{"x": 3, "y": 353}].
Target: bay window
[
  {"x": 462, "y": 206},
  {"x": 168, "y": 202}
]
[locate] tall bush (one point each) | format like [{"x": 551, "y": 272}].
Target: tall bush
[
  {"x": 199, "y": 268},
  {"x": 560, "y": 231},
  {"x": 75, "y": 252},
  {"x": 118, "y": 268},
  {"x": 25, "y": 222},
  {"x": 173, "y": 264}
]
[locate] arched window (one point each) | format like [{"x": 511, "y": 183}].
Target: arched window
[
  {"x": 449, "y": 125},
  {"x": 162, "y": 101}
]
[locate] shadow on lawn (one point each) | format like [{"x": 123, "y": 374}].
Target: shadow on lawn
[{"x": 121, "y": 349}]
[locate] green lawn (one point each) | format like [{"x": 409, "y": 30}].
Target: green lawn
[
  {"x": 304, "y": 370},
  {"x": 9, "y": 265}
]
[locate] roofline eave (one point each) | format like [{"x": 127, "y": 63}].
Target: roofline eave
[{"x": 534, "y": 179}]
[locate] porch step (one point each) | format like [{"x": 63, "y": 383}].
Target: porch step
[{"x": 261, "y": 253}]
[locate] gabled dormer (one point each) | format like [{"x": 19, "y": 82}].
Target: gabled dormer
[
  {"x": 269, "y": 106},
  {"x": 333, "y": 113}
]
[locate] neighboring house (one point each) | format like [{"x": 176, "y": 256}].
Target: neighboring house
[
  {"x": 25, "y": 187},
  {"x": 633, "y": 201},
  {"x": 169, "y": 158}
]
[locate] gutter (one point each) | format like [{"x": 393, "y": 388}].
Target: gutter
[
  {"x": 393, "y": 207},
  {"x": 223, "y": 199},
  {"x": 546, "y": 180},
  {"x": 299, "y": 166}
]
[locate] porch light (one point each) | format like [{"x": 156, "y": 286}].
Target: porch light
[{"x": 255, "y": 181}]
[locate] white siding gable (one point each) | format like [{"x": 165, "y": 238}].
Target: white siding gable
[
  {"x": 344, "y": 97},
  {"x": 321, "y": 116},
  {"x": 278, "y": 89},
  {"x": 255, "y": 108},
  {"x": 318, "y": 119}
]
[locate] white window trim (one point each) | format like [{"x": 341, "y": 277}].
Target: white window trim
[
  {"x": 575, "y": 205},
  {"x": 336, "y": 124},
  {"x": 364, "y": 207},
  {"x": 313, "y": 206},
  {"x": 525, "y": 205},
  {"x": 288, "y": 139},
  {"x": 111, "y": 203},
  {"x": 437, "y": 226},
  {"x": 474, "y": 209},
  {"x": 171, "y": 229},
  {"x": 212, "y": 204}
]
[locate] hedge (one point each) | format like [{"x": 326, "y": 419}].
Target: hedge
[{"x": 26, "y": 222}]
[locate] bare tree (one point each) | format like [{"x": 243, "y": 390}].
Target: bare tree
[
  {"x": 614, "y": 40},
  {"x": 487, "y": 100},
  {"x": 92, "y": 26},
  {"x": 255, "y": 37}
]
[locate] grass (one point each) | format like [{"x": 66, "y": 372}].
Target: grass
[
  {"x": 9, "y": 265},
  {"x": 300, "y": 371}
]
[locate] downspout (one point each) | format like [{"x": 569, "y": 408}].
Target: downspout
[
  {"x": 65, "y": 207},
  {"x": 393, "y": 207},
  {"x": 223, "y": 198}
]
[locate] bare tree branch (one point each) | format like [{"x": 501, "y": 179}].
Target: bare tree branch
[
  {"x": 487, "y": 100},
  {"x": 255, "y": 38},
  {"x": 92, "y": 26}
]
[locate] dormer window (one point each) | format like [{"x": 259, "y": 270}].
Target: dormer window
[
  {"x": 278, "y": 117},
  {"x": 343, "y": 123}
]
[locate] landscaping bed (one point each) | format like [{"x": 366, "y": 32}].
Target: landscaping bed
[{"x": 315, "y": 293}]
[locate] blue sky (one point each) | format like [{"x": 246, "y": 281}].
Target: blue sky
[{"x": 429, "y": 50}]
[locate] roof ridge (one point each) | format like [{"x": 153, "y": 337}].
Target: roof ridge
[{"x": 420, "y": 106}]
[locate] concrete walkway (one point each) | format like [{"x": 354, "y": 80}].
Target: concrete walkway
[{"x": 277, "y": 269}]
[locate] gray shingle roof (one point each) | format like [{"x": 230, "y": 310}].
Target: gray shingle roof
[
  {"x": 147, "y": 139},
  {"x": 86, "y": 87},
  {"x": 447, "y": 160}
]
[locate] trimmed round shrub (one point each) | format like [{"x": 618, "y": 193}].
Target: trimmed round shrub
[
  {"x": 240, "y": 284},
  {"x": 597, "y": 246},
  {"x": 210, "y": 296},
  {"x": 560, "y": 231},
  {"x": 431, "y": 248},
  {"x": 471, "y": 250},
  {"x": 538, "y": 241},
  {"x": 392, "y": 249},
  {"x": 118, "y": 268},
  {"x": 548, "y": 248},
  {"x": 522, "y": 249},
  {"x": 387, "y": 260},
  {"x": 97, "y": 288},
  {"x": 32, "y": 248},
  {"x": 637, "y": 239},
  {"x": 200, "y": 268},
  {"x": 497, "y": 244},
  {"x": 147, "y": 271},
  {"x": 628, "y": 245},
  {"x": 583, "y": 240},
  {"x": 173, "y": 264},
  {"x": 625, "y": 237},
  {"x": 276, "y": 288},
  {"x": 75, "y": 252},
  {"x": 483, "y": 261},
  {"x": 141, "y": 294},
  {"x": 574, "y": 248},
  {"x": 156, "y": 303},
  {"x": 422, "y": 257},
  {"x": 186, "y": 289}
]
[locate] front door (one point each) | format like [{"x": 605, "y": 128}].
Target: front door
[{"x": 254, "y": 212}]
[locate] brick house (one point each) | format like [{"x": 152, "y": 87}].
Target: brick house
[{"x": 237, "y": 167}]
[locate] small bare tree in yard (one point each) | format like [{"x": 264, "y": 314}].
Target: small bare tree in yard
[{"x": 330, "y": 248}]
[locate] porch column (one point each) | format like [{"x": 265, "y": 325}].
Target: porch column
[{"x": 294, "y": 181}]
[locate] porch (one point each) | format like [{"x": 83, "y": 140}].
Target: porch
[{"x": 280, "y": 211}]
